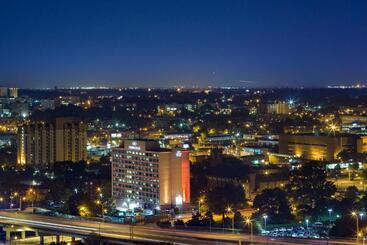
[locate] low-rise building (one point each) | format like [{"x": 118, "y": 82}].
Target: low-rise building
[{"x": 317, "y": 147}]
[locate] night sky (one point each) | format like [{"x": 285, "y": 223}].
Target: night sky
[{"x": 168, "y": 43}]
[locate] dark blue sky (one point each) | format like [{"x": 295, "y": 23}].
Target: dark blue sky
[{"x": 167, "y": 43}]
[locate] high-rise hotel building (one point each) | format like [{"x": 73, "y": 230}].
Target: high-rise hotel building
[
  {"x": 145, "y": 175},
  {"x": 42, "y": 143}
]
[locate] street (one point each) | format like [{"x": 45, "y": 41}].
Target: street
[{"x": 149, "y": 233}]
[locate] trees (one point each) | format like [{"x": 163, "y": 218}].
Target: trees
[
  {"x": 352, "y": 193},
  {"x": 349, "y": 155},
  {"x": 222, "y": 197},
  {"x": 224, "y": 167},
  {"x": 309, "y": 189},
  {"x": 344, "y": 227},
  {"x": 239, "y": 221},
  {"x": 273, "y": 203}
]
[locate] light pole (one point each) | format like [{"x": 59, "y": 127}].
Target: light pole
[
  {"x": 265, "y": 217},
  {"x": 32, "y": 192},
  {"x": 20, "y": 200},
  {"x": 200, "y": 202},
  {"x": 355, "y": 214},
  {"x": 229, "y": 210},
  {"x": 330, "y": 210},
  {"x": 267, "y": 178},
  {"x": 99, "y": 202},
  {"x": 249, "y": 222},
  {"x": 307, "y": 223}
]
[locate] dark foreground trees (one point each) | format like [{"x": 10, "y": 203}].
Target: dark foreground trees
[
  {"x": 274, "y": 204},
  {"x": 309, "y": 189}
]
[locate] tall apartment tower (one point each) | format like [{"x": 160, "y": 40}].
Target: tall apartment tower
[
  {"x": 145, "y": 175},
  {"x": 41, "y": 143},
  {"x": 3, "y": 92},
  {"x": 8, "y": 92},
  {"x": 13, "y": 92},
  {"x": 71, "y": 140},
  {"x": 278, "y": 107}
]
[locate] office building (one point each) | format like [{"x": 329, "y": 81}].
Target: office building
[
  {"x": 278, "y": 107},
  {"x": 43, "y": 143},
  {"x": 8, "y": 92},
  {"x": 13, "y": 92},
  {"x": 354, "y": 124},
  {"x": 145, "y": 175},
  {"x": 3, "y": 92},
  {"x": 316, "y": 147},
  {"x": 362, "y": 144}
]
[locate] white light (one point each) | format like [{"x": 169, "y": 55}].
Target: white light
[
  {"x": 178, "y": 153},
  {"x": 179, "y": 200}
]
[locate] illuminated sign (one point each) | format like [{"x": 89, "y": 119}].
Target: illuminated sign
[
  {"x": 116, "y": 135},
  {"x": 179, "y": 200},
  {"x": 178, "y": 153},
  {"x": 134, "y": 146}
]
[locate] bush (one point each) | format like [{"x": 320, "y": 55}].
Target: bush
[
  {"x": 179, "y": 222},
  {"x": 164, "y": 224}
]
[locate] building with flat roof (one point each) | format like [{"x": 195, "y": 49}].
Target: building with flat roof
[
  {"x": 362, "y": 144},
  {"x": 40, "y": 142},
  {"x": 8, "y": 92},
  {"x": 278, "y": 107},
  {"x": 316, "y": 147},
  {"x": 147, "y": 176}
]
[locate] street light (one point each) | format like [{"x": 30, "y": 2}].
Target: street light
[
  {"x": 267, "y": 178},
  {"x": 249, "y": 222},
  {"x": 355, "y": 214},
  {"x": 230, "y": 210},
  {"x": 200, "y": 202},
  {"x": 32, "y": 192},
  {"x": 307, "y": 221},
  {"x": 330, "y": 210},
  {"x": 99, "y": 202},
  {"x": 265, "y": 217},
  {"x": 16, "y": 194},
  {"x": 99, "y": 190}
]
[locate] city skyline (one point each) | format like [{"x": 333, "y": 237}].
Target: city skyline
[{"x": 185, "y": 43}]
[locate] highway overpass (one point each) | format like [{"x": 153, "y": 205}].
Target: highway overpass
[{"x": 121, "y": 233}]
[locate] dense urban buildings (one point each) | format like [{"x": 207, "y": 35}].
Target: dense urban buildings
[
  {"x": 186, "y": 122},
  {"x": 132, "y": 154},
  {"x": 145, "y": 175},
  {"x": 316, "y": 147},
  {"x": 44, "y": 143}
]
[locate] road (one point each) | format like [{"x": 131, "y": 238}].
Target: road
[
  {"x": 149, "y": 233},
  {"x": 35, "y": 240}
]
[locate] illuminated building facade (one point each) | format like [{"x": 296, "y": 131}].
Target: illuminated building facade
[
  {"x": 316, "y": 147},
  {"x": 145, "y": 175},
  {"x": 8, "y": 92},
  {"x": 3, "y": 92},
  {"x": 362, "y": 144},
  {"x": 64, "y": 139},
  {"x": 354, "y": 124},
  {"x": 278, "y": 107},
  {"x": 13, "y": 92}
]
